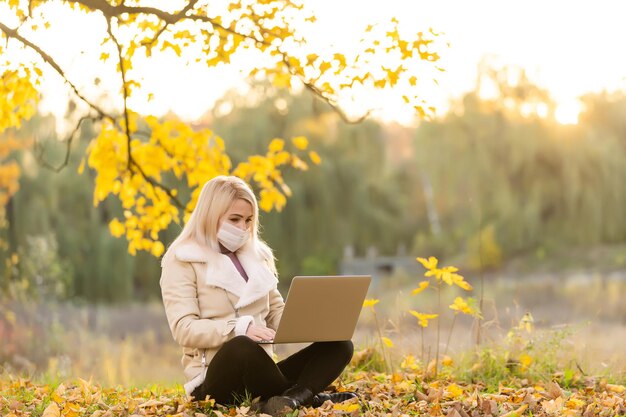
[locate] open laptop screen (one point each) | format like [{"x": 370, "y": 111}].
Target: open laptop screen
[{"x": 322, "y": 308}]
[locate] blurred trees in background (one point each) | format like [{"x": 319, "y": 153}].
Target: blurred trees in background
[
  {"x": 489, "y": 181},
  {"x": 146, "y": 172},
  {"x": 155, "y": 168},
  {"x": 518, "y": 182}
]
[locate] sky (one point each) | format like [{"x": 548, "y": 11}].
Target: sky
[{"x": 570, "y": 47}]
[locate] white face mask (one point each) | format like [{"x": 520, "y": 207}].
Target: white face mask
[{"x": 231, "y": 236}]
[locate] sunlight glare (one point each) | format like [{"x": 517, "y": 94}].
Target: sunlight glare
[
  {"x": 192, "y": 90},
  {"x": 567, "y": 112}
]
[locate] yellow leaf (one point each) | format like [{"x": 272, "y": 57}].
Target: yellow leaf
[
  {"x": 281, "y": 158},
  {"x": 453, "y": 391},
  {"x": 380, "y": 83},
  {"x": 300, "y": 142},
  {"x": 460, "y": 282},
  {"x": 325, "y": 66},
  {"x": 423, "y": 317},
  {"x": 157, "y": 249},
  {"x": 387, "y": 341},
  {"x": 116, "y": 228},
  {"x": 315, "y": 158},
  {"x": 525, "y": 360},
  {"x": 348, "y": 408},
  {"x": 341, "y": 59},
  {"x": 420, "y": 110},
  {"x": 575, "y": 403},
  {"x": 276, "y": 145},
  {"x": 461, "y": 306},
  {"x": 282, "y": 80},
  {"x": 409, "y": 363},
  {"x": 104, "y": 56},
  {"x": 311, "y": 58},
  {"x": 430, "y": 263},
  {"x": 422, "y": 286},
  {"x": 447, "y": 361},
  {"x": 370, "y": 302}
]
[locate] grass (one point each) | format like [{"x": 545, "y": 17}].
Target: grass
[
  {"x": 471, "y": 382},
  {"x": 122, "y": 369}
]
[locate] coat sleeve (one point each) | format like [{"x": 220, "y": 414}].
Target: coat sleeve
[
  {"x": 178, "y": 288},
  {"x": 276, "y": 309}
]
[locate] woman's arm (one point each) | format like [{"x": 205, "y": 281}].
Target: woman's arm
[{"x": 179, "y": 291}]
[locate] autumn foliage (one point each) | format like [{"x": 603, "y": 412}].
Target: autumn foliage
[
  {"x": 146, "y": 162},
  {"x": 18, "y": 102},
  {"x": 379, "y": 394}
]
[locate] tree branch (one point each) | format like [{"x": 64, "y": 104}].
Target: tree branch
[
  {"x": 313, "y": 88},
  {"x": 68, "y": 145},
  {"x": 321, "y": 94},
  {"x": 316, "y": 91},
  {"x": 124, "y": 91},
  {"x": 12, "y": 33},
  {"x": 110, "y": 11},
  {"x": 157, "y": 184},
  {"x": 131, "y": 162},
  {"x": 188, "y": 7}
]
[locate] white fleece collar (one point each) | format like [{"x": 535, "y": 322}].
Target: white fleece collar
[{"x": 222, "y": 273}]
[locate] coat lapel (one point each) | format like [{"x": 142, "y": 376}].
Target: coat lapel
[
  {"x": 222, "y": 273},
  {"x": 260, "y": 279}
]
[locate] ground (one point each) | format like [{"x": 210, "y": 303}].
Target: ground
[{"x": 397, "y": 394}]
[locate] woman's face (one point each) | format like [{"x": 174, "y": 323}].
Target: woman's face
[{"x": 239, "y": 214}]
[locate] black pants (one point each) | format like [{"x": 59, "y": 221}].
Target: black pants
[{"x": 242, "y": 367}]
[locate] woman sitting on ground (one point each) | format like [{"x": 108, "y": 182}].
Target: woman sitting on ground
[{"x": 220, "y": 294}]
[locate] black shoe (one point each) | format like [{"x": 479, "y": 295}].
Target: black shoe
[
  {"x": 278, "y": 406},
  {"x": 335, "y": 397},
  {"x": 302, "y": 395},
  {"x": 289, "y": 400}
]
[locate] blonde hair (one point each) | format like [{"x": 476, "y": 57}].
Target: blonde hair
[{"x": 216, "y": 197}]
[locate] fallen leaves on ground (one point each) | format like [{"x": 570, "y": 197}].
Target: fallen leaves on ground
[{"x": 393, "y": 395}]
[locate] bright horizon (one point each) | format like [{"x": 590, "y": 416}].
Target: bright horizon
[{"x": 567, "y": 47}]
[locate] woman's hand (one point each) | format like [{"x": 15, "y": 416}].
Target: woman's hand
[{"x": 257, "y": 333}]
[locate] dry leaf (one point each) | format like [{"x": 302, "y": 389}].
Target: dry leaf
[
  {"x": 421, "y": 396},
  {"x": 553, "y": 407},
  {"x": 151, "y": 403},
  {"x": 453, "y": 413},
  {"x": 616, "y": 388},
  {"x": 516, "y": 413},
  {"x": 554, "y": 390},
  {"x": 52, "y": 410}
]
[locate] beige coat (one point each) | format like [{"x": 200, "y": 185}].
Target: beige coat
[{"x": 207, "y": 302}]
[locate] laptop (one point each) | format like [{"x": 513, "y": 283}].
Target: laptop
[{"x": 321, "y": 309}]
